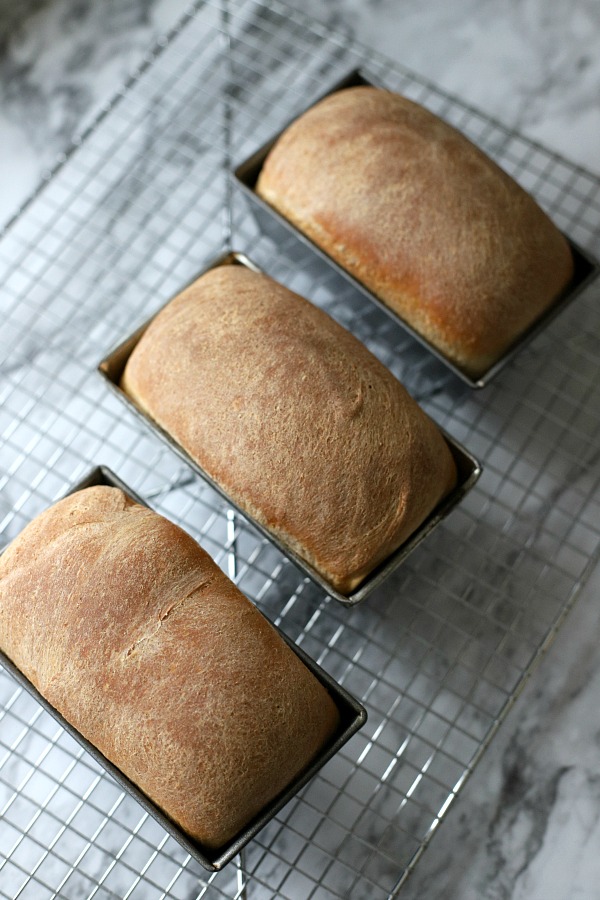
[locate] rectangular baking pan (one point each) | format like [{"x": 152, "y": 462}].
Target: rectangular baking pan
[
  {"x": 469, "y": 469},
  {"x": 272, "y": 222},
  {"x": 352, "y": 717}
]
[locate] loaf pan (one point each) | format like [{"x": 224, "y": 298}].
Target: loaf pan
[
  {"x": 272, "y": 223},
  {"x": 469, "y": 470},
  {"x": 352, "y": 717}
]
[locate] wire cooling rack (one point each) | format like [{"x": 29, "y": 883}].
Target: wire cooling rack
[{"x": 139, "y": 205}]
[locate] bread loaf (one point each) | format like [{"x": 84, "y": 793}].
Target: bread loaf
[
  {"x": 422, "y": 218},
  {"x": 137, "y": 638},
  {"x": 294, "y": 418}
]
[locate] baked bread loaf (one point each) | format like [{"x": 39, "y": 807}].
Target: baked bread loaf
[
  {"x": 422, "y": 218},
  {"x": 130, "y": 630},
  {"x": 294, "y": 418}
]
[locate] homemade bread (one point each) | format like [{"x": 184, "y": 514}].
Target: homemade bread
[
  {"x": 294, "y": 418},
  {"x": 422, "y": 218},
  {"x": 137, "y": 638}
]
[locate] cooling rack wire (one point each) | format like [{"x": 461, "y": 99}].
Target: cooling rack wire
[{"x": 140, "y": 203}]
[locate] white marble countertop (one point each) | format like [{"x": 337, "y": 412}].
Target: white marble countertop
[{"x": 527, "y": 824}]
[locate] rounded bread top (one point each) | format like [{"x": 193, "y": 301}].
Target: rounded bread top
[
  {"x": 131, "y": 631},
  {"x": 298, "y": 422},
  {"x": 423, "y": 218}
]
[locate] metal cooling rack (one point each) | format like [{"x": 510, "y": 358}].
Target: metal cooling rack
[{"x": 438, "y": 655}]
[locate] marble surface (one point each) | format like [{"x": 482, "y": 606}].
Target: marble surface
[
  {"x": 527, "y": 824},
  {"x": 532, "y": 64}
]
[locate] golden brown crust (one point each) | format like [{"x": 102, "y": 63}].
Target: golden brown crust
[
  {"x": 131, "y": 631},
  {"x": 422, "y": 218},
  {"x": 299, "y": 423}
]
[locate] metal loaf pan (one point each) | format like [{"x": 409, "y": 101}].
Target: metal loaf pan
[
  {"x": 272, "y": 222},
  {"x": 352, "y": 717},
  {"x": 469, "y": 470}
]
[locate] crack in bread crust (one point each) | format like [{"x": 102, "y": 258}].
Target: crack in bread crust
[{"x": 211, "y": 691}]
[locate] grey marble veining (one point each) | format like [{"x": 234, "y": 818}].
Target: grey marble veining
[
  {"x": 526, "y": 826},
  {"x": 61, "y": 60},
  {"x": 532, "y": 64}
]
